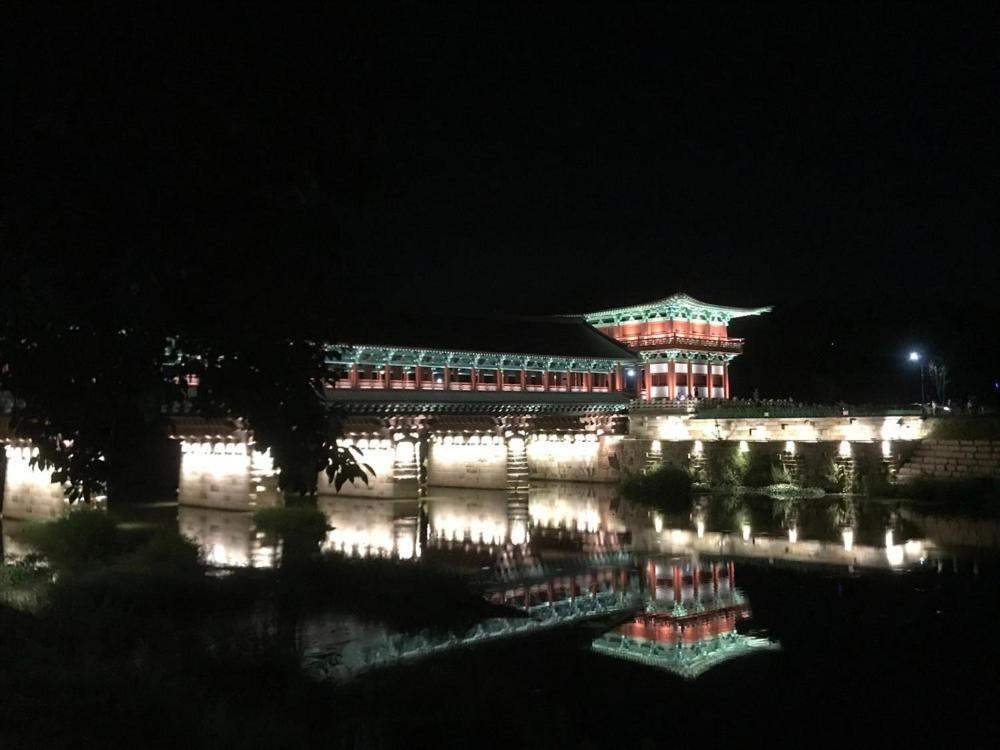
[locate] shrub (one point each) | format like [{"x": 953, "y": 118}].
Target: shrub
[
  {"x": 725, "y": 465},
  {"x": 965, "y": 428}
]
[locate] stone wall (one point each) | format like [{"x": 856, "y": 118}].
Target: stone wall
[
  {"x": 481, "y": 465},
  {"x": 575, "y": 460},
  {"x": 953, "y": 459},
  {"x": 680, "y": 427}
]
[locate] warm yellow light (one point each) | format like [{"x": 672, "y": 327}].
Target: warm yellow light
[
  {"x": 699, "y": 448},
  {"x": 844, "y": 449},
  {"x": 744, "y": 446},
  {"x": 746, "y": 532},
  {"x": 793, "y": 535},
  {"x": 894, "y": 554},
  {"x": 701, "y": 528},
  {"x": 886, "y": 449},
  {"x": 848, "y": 536},
  {"x": 790, "y": 447}
]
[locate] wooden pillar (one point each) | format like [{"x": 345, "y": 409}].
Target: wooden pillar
[
  {"x": 651, "y": 578},
  {"x": 677, "y": 583},
  {"x": 447, "y": 378},
  {"x": 672, "y": 379},
  {"x": 473, "y": 384},
  {"x": 354, "y": 377},
  {"x": 588, "y": 382},
  {"x": 417, "y": 374},
  {"x": 524, "y": 379},
  {"x": 715, "y": 577},
  {"x": 647, "y": 374},
  {"x": 388, "y": 375},
  {"x": 725, "y": 380},
  {"x": 545, "y": 380},
  {"x": 499, "y": 379}
]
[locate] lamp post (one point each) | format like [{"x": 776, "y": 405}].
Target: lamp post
[{"x": 915, "y": 357}]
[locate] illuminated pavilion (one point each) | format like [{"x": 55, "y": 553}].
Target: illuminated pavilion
[
  {"x": 673, "y": 348},
  {"x": 683, "y": 345}
]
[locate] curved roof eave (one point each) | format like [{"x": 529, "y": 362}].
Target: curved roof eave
[{"x": 679, "y": 300}]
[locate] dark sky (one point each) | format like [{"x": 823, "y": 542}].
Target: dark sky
[{"x": 837, "y": 161}]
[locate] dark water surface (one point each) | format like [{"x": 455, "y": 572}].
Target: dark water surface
[{"x": 883, "y": 618}]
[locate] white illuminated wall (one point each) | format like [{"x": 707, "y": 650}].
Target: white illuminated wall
[
  {"x": 761, "y": 429},
  {"x": 577, "y": 457},
  {"x": 381, "y": 455},
  {"x": 28, "y": 493},
  {"x": 226, "y": 475},
  {"x": 460, "y": 461}
]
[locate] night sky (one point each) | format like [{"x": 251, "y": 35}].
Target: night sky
[{"x": 839, "y": 162}]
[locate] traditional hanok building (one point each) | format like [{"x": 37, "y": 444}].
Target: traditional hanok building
[
  {"x": 491, "y": 355},
  {"x": 684, "y": 345}
]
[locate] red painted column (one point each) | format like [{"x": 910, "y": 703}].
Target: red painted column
[
  {"x": 545, "y": 380},
  {"x": 695, "y": 579},
  {"x": 677, "y": 583},
  {"x": 588, "y": 382},
  {"x": 354, "y": 377},
  {"x": 524, "y": 379},
  {"x": 647, "y": 374},
  {"x": 725, "y": 380},
  {"x": 473, "y": 379},
  {"x": 672, "y": 379},
  {"x": 417, "y": 375},
  {"x": 388, "y": 374},
  {"x": 715, "y": 577},
  {"x": 731, "y": 569},
  {"x": 499, "y": 380},
  {"x": 447, "y": 378}
]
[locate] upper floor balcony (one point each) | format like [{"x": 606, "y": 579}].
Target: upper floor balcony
[{"x": 674, "y": 340}]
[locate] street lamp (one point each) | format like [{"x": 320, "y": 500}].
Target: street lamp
[{"x": 915, "y": 357}]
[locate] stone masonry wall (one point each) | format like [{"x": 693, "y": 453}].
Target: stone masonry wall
[{"x": 953, "y": 459}]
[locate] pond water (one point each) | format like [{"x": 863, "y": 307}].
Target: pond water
[{"x": 724, "y": 619}]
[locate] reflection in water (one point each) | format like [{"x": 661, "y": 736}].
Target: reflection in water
[
  {"x": 365, "y": 527},
  {"x": 688, "y": 622},
  {"x": 225, "y": 537}
]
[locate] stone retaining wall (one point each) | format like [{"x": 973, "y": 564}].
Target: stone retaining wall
[{"x": 953, "y": 459}]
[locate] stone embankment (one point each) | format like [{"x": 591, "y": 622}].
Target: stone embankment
[{"x": 953, "y": 459}]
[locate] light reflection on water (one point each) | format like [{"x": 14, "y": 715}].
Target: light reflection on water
[
  {"x": 662, "y": 580},
  {"x": 564, "y": 518}
]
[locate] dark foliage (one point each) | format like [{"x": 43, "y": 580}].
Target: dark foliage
[{"x": 666, "y": 487}]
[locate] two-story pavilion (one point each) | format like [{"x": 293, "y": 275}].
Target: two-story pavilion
[{"x": 683, "y": 344}]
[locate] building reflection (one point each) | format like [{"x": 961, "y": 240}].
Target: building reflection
[
  {"x": 688, "y": 620},
  {"x": 226, "y": 538}
]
